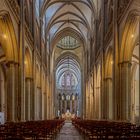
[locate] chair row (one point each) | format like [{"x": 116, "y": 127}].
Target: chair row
[
  {"x": 95, "y": 129},
  {"x": 46, "y": 129}
]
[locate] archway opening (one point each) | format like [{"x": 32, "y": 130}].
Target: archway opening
[
  {"x": 68, "y": 86},
  {"x": 68, "y": 93}
]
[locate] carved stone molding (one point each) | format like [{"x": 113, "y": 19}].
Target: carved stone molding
[
  {"x": 122, "y": 5},
  {"x": 28, "y": 34},
  {"x": 109, "y": 34},
  {"x": 14, "y": 7}
]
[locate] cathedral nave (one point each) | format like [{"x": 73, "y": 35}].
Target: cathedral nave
[{"x": 69, "y": 69}]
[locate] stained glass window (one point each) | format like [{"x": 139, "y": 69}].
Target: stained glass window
[
  {"x": 68, "y": 97},
  {"x": 63, "y": 97},
  {"x": 72, "y": 81},
  {"x": 37, "y": 8},
  {"x": 63, "y": 81},
  {"x": 73, "y": 97},
  {"x": 68, "y": 80},
  {"x": 68, "y": 42}
]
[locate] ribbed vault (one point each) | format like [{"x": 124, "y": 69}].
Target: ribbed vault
[
  {"x": 70, "y": 65},
  {"x": 73, "y": 14}
]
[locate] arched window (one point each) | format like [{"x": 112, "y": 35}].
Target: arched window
[
  {"x": 63, "y": 98},
  {"x": 72, "y": 80},
  {"x": 63, "y": 81},
  {"x": 68, "y": 42},
  {"x": 73, "y": 97},
  {"x": 68, "y": 80},
  {"x": 68, "y": 97},
  {"x": 37, "y": 8}
]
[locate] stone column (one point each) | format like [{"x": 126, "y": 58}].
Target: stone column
[
  {"x": 32, "y": 99},
  {"x": 45, "y": 106},
  {"x": 115, "y": 77},
  {"x": 47, "y": 101},
  {"x": 28, "y": 98},
  {"x": 105, "y": 100},
  {"x": 91, "y": 104},
  {"x": 94, "y": 113},
  {"x": 40, "y": 105},
  {"x": 22, "y": 58},
  {"x": 98, "y": 104},
  {"x": 88, "y": 106},
  {"x": 108, "y": 98},
  {"x": 0, "y": 92},
  {"x": 48, "y": 107},
  {"x": 11, "y": 96},
  {"x": 82, "y": 108},
  {"x": 139, "y": 71},
  {"x": 125, "y": 90}
]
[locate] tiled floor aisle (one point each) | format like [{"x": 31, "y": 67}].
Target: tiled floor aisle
[{"x": 69, "y": 132}]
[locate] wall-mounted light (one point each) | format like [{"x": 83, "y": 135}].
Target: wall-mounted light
[
  {"x": 132, "y": 36},
  {"x": 111, "y": 62},
  {"x": 4, "y": 36},
  {"x": 25, "y": 62}
]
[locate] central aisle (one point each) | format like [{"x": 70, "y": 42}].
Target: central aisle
[{"x": 69, "y": 132}]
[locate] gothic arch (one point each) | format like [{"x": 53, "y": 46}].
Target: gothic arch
[
  {"x": 129, "y": 40},
  {"x": 70, "y": 32},
  {"x": 28, "y": 63},
  {"x": 98, "y": 92},
  {"x": 108, "y": 84},
  {"x": 130, "y": 36},
  {"x": 7, "y": 37},
  {"x": 109, "y": 62},
  {"x": 37, "y": 75},
  {"x": 66, "y": 54}
]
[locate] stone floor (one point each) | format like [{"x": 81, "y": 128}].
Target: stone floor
[{"x": 69, "y": 132}]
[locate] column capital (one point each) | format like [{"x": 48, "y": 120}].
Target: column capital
[
  {"x": 29, "y": 78},
  {"x": 107, "y": 78},
  {"x": 8, "y": 63},
  {"x": 39, "y": 87},
  {"x": 125, "y": 63}
]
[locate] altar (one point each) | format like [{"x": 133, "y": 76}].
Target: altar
[{"x": 68, "y": 116}]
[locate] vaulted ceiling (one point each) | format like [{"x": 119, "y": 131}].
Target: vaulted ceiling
[
  {"x": 74, "y": 15},
  {"x": 70, "y": 65}
]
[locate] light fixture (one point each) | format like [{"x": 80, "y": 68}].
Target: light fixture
[
  {"x": 4, "y": 36},
  {"x": 25, "y": 62},
  {"x": 111, "y": 62},
  {"x": 132, "y": 36}
]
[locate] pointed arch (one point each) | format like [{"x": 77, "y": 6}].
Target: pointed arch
[
  {"x": 28, "y": 63},
  {"x": 130, "y": 36},
  {"x": 7, "y": 37}
]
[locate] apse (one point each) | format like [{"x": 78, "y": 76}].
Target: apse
[{"x": 68, "y": 96}]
